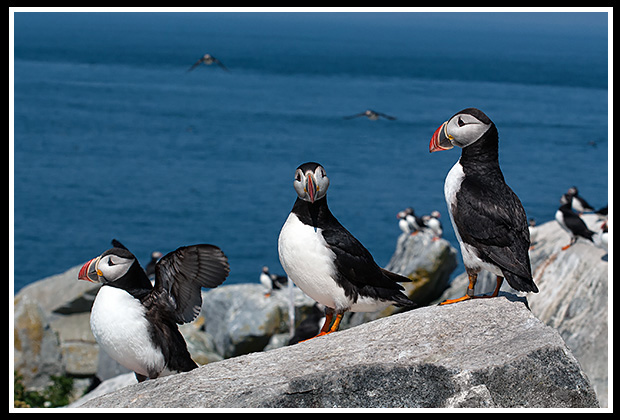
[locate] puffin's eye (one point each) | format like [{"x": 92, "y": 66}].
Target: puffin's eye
[
  {"x": 298, "y": 177},
  {"x": 460, "y": 122},
  {"x": 110, "y": 262}
]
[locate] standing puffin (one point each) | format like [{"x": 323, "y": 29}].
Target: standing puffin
[
  {"x": 326, "y": 261},
  {"x": 578, "y": 202},
  {"x": 571, "y": 222},
  {"x": 488, "y": 218},
  {"x": 135, "y": 322}
]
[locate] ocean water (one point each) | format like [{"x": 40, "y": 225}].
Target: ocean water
[{"x": 114, "y": 138}]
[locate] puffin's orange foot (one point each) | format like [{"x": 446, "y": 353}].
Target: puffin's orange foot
[
  {"x": 321, "y": 334},
  {"x": 565, "y": 247},
  {"x": 451, "y": 301}
]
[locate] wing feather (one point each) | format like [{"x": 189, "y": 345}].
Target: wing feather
[
  {"x": 182, "y": 273},
  {"x": 498, "y": 229}
]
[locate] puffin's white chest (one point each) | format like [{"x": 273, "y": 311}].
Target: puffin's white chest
[
  {"x": 119, "y": 326},
  {"x": 450, "y": 188},
  {"x": 559, "y": 217},
  {"x": 308, "y": 261}
]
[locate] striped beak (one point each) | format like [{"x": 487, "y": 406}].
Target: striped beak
[
  {"x": 440, "y": 140},
  {"x": 88, "y": 271}
]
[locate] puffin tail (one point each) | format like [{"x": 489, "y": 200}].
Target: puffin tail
[
  {"x": 522, "y": 284},
  {"x": 395, "y": 277}
]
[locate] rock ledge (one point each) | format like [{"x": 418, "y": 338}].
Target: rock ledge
[{"x": 481, "y": 353}]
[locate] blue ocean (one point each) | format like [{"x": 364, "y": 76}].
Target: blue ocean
[{"x": 115, "y": 138}]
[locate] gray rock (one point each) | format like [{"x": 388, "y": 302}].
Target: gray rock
[
  {"x": 36, "y": 346},
  {"x": 573, "y": 295},
  {"x": 427, "y": 263},
  {"x": 62, "y": 293},
  {"x": 242, "y": 320},
  {"x": 481, "y": 353}
]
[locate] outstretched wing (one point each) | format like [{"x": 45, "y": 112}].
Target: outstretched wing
[
  {"x": 219, "y": 63},
  {"x": 196, "y": 64},
  {"x": 349, "y": 117},
  {"x": 387, "y": 117},
  {"x": 180, "y": 275}
]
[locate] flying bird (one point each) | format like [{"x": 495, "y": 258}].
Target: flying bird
[
  {"x": 371, "y": 115},
  {"x": 135, "y": 322},
  {"x": 207, "y": 60},
  {"x": 487, "y": 216}
]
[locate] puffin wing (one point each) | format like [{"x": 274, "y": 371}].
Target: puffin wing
[
  {"x": 355, "y": 263},
  {"x": 576, "y": 224},
  {"x": 196, "y": 64},
  {"x": 349, "y": 117},
  {"x": 387, "y": 117},
  {"x": 219, "y": 63},
  {"x": 181, "y": 273},
  {"x": 498, "y": 228}
]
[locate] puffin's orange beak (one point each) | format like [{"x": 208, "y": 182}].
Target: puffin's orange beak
[
  {"x": 440, "y": 140},
  {"x": 89, "y": 271}
]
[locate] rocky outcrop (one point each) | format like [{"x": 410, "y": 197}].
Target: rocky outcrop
[
  {"x": 573, "y": 295},
  {"x": 481, "y": 353},
  {"x": 427, "y": 262},
  {"x": 54, "y": 314}
]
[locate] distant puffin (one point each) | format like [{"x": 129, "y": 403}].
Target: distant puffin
[
  {"x": 134, "y": 322},
  {"x": 371, "y": 115},
  {"x": 418, "y": 223},
  {"x": 434, "y": 224},
  {"x": 403, "y": 224},
  {"x": 571, "y": 222},
  {"x": 326, "y": 261},
  {"x": 270, "y": 281},
  {"x": 150, "y": 266},
  {"x": 207, "y": 60},
  {"x": 578, "y": 202},
  {"x": 488, "y": 218}
]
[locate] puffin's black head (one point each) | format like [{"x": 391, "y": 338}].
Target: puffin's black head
[
  {"x": 462, "y": 129},
  {"x": 109, "y": 267},
  {"x": 311, "y": 182}
]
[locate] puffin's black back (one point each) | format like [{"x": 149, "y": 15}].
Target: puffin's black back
[{"x": 490, "y": 216}]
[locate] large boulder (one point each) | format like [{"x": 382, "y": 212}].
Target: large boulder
[
  {"x": 481, "y": 353},
  {"x": 573, "y": 295}
]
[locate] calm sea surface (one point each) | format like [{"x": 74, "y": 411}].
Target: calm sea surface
[{"x": 113, "y": 138}]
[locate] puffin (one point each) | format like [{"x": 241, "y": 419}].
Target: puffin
[
  {"x": 578, "y": 202},
  {"x": 418, "y": 223},
  {"x": 404, "y": 222},
  {"x": 488, "y": 218},
  {"x": 135, "y": 322},
  {"x": 207, "y": 60},
  {"x": 434, "y": 224},
  {"x": 326, "y": 261},
  {"x": 571, "y": 222},
  {"x": 371, "y": 115},
  {"x": 271, "y": 282}
]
